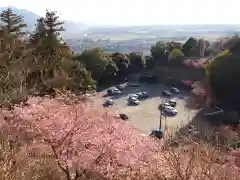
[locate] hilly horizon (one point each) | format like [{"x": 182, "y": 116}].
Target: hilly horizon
[
  {"x": 78, "y": 30},
  {"x": 30, "y": 18}
]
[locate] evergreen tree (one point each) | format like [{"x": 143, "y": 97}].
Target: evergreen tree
[
  {"x": 12, "y": 23},
  {"x": 53, "y": 28},
  {"x": 39, "y": 33}
]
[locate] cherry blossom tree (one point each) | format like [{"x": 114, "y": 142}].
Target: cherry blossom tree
[
  {"x": 81, "y": 137},
  {"x": 86, "y": 140}
]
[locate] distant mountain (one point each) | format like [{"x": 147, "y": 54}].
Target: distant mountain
[{"x": 73, "y": 29}]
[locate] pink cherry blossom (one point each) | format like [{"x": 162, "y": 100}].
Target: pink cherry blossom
[{"x": 80, "y": 135}]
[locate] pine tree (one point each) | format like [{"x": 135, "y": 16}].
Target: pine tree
[
  {"x": 53, "y": 24},
  {"x": 53, "y": 28},
  {"x": 12, "y": 23},
  {"x": 47, "y": 46},
  {"x": 48, "y": 32},
  {"x": 40, "y": 32}
]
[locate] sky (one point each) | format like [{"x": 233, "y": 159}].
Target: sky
[{"x": 136, "y": 12}]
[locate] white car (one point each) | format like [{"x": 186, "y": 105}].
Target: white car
[
  {"x": 175, "y": 90},
  {"x": 133, "y": 100},
  {"x": 162, "y": 106},
  {"x": 132, "y": 96},
  {"x": 169, "y": 110}
]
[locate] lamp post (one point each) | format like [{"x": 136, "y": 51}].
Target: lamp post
[
  {"x": 161, "y": 114},
  {"x": 158, "y": 133}
]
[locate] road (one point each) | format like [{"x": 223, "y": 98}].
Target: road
[{"x": 146, "y": 115}]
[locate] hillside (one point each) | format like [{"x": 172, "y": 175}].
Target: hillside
[{"x": 55, "y": 126}]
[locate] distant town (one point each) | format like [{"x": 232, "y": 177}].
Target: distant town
[{"x": 140, "y": 39}]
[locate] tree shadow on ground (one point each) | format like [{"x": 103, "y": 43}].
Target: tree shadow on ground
[{"x": 200, "y": 129}]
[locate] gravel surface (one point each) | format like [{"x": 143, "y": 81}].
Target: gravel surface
[{"x": 146, "y": 115}]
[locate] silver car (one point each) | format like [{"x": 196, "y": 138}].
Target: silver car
[
  {"x": 169, "y": 110},
  {"x": 132, "y": 96},
  {"x": 108, "y": 102},
  {"x": 175, "y": 90},
  {"x": 133, "y": 100}
]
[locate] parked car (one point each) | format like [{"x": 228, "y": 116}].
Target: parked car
[
  {"x": 108, "y": 102},
  {"x": 148, "y": 78},
  {"x": 166, "y": 93},
  {"x": 113, "y": 91},
  {"x": 142, "y": 95},
  {"x": 170, "y": 111},
  {"x": 163, "y": 105},
  {"x": 133, "y": 101},
  {"x": 175, "y": 90},
  {"x": 132, "y": 96},
  {"x": 120, "y": 87},
  {"x": 123, "y": 116},
  {"x": 158, "y": 133},
  {"x": 133, "y": 84},
  {"x": 172, "y": 102}
]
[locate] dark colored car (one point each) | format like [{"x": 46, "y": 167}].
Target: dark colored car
[
  {"x": 142, "y": 95},
  {"x": 113, "y": 91},
  {"x": 123, "y": 116},
  {"x": 133, "y": 84},
  {"x": 166, "y": 93},
  {"x": 120, "y": 87},
  {"x": 151, "y": 79},
  {"x": 108, "y": 103},
  {"x": 158, "y": 133}
]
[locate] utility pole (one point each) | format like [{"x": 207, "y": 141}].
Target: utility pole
[{"x": 161, "y": 115}]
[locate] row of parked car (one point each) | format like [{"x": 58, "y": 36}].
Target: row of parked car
[
  {"x": 132, "y": 99},
  {"x": 119, "y": 88},
  {"x": 173, "y": 90},
  {"x": 168, "y": 107}
]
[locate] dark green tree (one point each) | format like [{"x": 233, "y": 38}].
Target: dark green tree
[
  {"x": 39, "y": 33},
  {"x": 223, "y": 74},
  {"x": 123, "y": 63},
  {"x": 176, "y": 57},
  {"x": 137, "y": 61},
  {"x": 53, "y": 42},
  {"x": 110, "y": 73},
  {"x": 12, "y": 23},
  {"x": 149, "y": 63},
  {"x": 95, "y": 61},
  {"x": 159, "y": 52},
  {"x": 78, "y": 78},
  {"x": 189, "y": 48}
]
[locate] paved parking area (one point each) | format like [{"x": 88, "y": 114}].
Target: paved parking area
[{"x": 146, "y": 115}]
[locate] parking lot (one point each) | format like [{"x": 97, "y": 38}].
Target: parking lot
[{"x": 146, "y": 115}]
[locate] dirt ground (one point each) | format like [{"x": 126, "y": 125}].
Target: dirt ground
[{"x": 146, "y": 115}]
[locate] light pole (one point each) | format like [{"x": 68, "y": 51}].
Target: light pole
[
  {"x": 158, "y": 133},
  {"x": 161, "y": 114}
]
